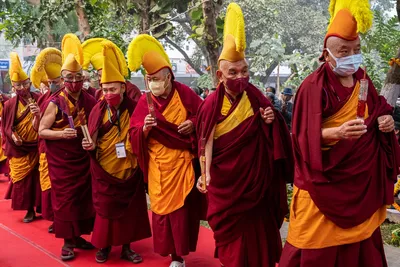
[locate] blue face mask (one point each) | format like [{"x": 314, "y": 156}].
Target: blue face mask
[{"x": 346, "y": 66}]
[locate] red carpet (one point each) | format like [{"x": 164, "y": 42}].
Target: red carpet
[{"x": 24, "y": 245}]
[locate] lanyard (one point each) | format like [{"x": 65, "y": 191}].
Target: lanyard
[{"x": 118, "y": 123}]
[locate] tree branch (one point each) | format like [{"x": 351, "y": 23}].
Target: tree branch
[
  {"x": 184, "y": 54},
  {"x": 268, "y": 71}
]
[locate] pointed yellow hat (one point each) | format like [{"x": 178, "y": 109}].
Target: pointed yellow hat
[
  {"x": 234, "y": 35},
  {"x": 16, "y": 72},
  {"x": 72, "y": 54},
  {"x": 47, "y": 66},
  {"x": 348, "y": 18},
  {"x": 92, "y": 53},
  {"x": 114, "y": 67},
  {"x": 147, "y": 51}
]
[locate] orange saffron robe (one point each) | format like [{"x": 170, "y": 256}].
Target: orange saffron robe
[
  {"x": 121, "y": 168},
  {"x": 309, "y": 228},
  {"x": 20, "y": 167},
  {"x": 170, "y": 172}
]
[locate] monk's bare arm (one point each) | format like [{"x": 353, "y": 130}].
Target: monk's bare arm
[
  {"x": 353, "y": 129},
  {"x": 330, "y": 134},
  {"x": 47, "y": 121},
  {"x": 35, "y": 123},
  {"x": 208, "y": 152}
]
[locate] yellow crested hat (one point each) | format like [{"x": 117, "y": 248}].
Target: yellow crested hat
[
  {"x": 16, "y": 72},
  {"x": 147, "y": 51},
  {"x": 348, "y": 18},
  {"x": 72, "y": 54},
  {"x": 92, "y": 53},
  {"x": 234, "y": 35},
  {"x": 114, "y": 67},
  {"x": 47, "y": 66}
]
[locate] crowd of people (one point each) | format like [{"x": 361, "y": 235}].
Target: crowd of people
[{"x": 85, "y": 158}]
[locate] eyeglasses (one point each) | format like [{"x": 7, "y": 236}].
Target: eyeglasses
[
  {"x": 77, "y": 78},
  {"x": 24, "y": 84}
]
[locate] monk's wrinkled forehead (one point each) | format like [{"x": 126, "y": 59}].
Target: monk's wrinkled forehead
[
  {"x": 238, "y": 66},
  {"x": 335, "y": 43}
]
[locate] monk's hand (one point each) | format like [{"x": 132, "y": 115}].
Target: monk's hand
[
  {"x": 87, "y": 145},
  {"x": 149, "y": 122},
  {"x": 17, "y": 141},
  {"x": 386, "y": 123},
  {"x": 69, "y": 133},
  {"x": 199, "y": 184},
  {"x": 34, "y": 108},
  {"x": 353, "y": 129},
  {"x": 186, "y": 127},
  {"x": 267, "y": 115}
]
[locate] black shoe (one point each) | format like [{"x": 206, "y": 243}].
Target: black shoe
[
  {"x": 102, "y": 255},
  {"x": 29, "y": 217},
  {"x": 51, "y": 229}
]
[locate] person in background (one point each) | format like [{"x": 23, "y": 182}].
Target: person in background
[
  {"x": 205, "y": 93},
  {"x": 287, "y": 106},
  {"x": 270, "y": 93}
]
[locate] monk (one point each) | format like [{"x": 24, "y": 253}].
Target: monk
[
  {"x": 4, "y": 168},
  {"x": 118, "y": 188},
  {"x": 165, "y": 146},
  {"x": 92, "y": 53},
  {"x": 48, "y": 64},
  {"x": 68, "y": 162},
  {"x": 20, "y": 118},
  {"x": 248, "y": 160},
  {"x": 345, "y": 166},
  {"x": 132, "y": 91}
]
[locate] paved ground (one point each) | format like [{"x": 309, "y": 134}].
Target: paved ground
[{"x": 392, "y": 253}]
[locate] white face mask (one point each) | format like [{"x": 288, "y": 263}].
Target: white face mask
[
  {"x": 86, "y": 85},
  {"x": 158, "y": 87},
  {"x": 346, "y": 66}
]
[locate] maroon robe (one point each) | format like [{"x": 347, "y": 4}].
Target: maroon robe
[
  {"x": 26, "y": 193},
  {"x": 349, "y": 182},
  {"x": 69, "y": 170},
  {"x": 120, "y": 205},
  {"x": 47, "y": 209},
  {"x": 91, "y": 91},
  {"x": 168, "y": 240},
  {"x": 132, "y": 91},
  {"x": 247, "y": 192}
]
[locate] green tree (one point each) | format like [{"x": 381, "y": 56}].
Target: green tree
[{"x": 391, "y": 89}]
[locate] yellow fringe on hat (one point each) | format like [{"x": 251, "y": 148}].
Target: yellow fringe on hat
[
  {"x": 234, "y": 25},
  {"x": 92, "y": 53},
  {"x": 114, "y": 66},
  {"x": 47, "y": 66},
  {"x": 16, "y": 72},
  {"x": 147, "y": 51},
  {"x": 38, "y": 77},
  {"x": 360, "y": 9},
  {"x": 71, "y": 45},
  {"x": 234, "y": 35}
]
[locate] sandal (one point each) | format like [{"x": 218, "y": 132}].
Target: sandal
[
  {"x": 67, "y": 254},
  {"x": 131, "y": 256},
  {"x": 83, "y": 244},
  {"x": 51, "y": 229},
  {"x": 102, "y": 255}
]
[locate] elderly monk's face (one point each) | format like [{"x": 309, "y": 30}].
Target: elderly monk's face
[
  {"x": 232, "y": 70},
  {"x": 341, "y": 48},
  {"x": 160, "y": 83},
  {"x": 72, "y": 76}
]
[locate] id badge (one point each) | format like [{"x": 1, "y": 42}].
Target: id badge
[{"x": 120, "y": 150}]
